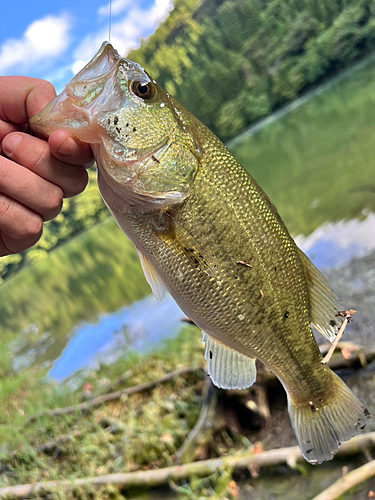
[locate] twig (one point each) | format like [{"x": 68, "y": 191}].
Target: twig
[
  {"x": 59, "y": 440},
  {"x": 155, "y": 477},
  {"x": 113, "y": 396},
  {"x": 243, "y": 263},
  {"x": 351, "y": 479},
  {"x": 347, "y": 316},
  {"x": 120, "y": 381},
  {"x": 203, "y": 427}
]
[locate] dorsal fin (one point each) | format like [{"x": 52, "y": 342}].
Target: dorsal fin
[
  {"x": 157, "y": 286},
  {"x": 324, "y": 303},
  {"x": 228, "y": 368}
]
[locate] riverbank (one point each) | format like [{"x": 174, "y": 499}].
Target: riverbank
[{"x": 137, "y": 415}]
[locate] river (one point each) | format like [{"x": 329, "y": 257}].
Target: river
[{"x": 88, "y": 301}]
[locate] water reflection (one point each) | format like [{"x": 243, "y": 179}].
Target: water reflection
[
  {"x": 316, "y": 163},
  {"x": 138, "y": 327},
  {"x": 333, "y": 244}
]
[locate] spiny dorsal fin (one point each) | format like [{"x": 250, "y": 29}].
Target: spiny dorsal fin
[
  {"x": 157, "y": 286},
  {"x": 324, "y": 303},
  {"x": 227, "y": 368}
]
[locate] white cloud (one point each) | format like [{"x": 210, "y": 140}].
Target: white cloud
[
  {"x": 78, "y": 65},
  {"x": 117, "y": 6},
  {"x": 126, "y": 32},
  {"x": 44, "y": 38}
]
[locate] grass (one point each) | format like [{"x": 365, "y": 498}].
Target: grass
[{"x": 140, "y": 431}]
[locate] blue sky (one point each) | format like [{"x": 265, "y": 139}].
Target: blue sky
[{"x": 53, "y": 40}]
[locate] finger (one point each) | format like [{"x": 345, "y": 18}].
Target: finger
[
  {"x": 20, "y": 228},
  {"x": 23, "y": 97},
  {"x": 35, "y": 155},
  {"x": 6, "y": 128},
  {"x": 70, "y": 150},
  {"x": 29, "y": 189}
]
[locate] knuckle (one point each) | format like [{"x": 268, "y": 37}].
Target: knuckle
[
  {"x": 5, "y": 173},
  {"x": 54, "y": 200},
  {"x": 33, "y": 227},
  {"x": 81, "y": 183},
  {"x": 77, "y": 185},
  {"x": 5, "y": 205},
  {"x": 40, "y": 158},
  {"x": 46, "y": 87}
]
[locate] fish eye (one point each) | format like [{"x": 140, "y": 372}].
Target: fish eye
[{"x": 144, "y": 90}]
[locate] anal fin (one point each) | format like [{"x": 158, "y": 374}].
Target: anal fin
[
  {"x": 157, "y": 286},
  {"x": 228, "y": 368}
]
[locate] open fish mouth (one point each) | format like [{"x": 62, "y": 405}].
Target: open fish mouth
[{"x": 72, "y": 109}]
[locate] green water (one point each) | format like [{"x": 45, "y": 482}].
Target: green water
[{"x": 316, "y": 164}]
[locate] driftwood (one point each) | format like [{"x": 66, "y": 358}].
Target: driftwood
[
  {"x": 114, "y": 396},
  {"x": 151, "y": 478},
  {"x": 345, "y": 483}
]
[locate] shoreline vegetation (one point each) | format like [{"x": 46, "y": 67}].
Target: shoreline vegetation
[
  {"x": 154, "y": 427},
  {"x": 231, "y": 64}
]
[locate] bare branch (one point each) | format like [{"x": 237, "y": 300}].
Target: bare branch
[
  {"x": 345, "y": 483},
  {"x": 113, "y": 396}
]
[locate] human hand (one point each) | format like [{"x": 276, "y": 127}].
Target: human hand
[{"x": 35, "y": 174}]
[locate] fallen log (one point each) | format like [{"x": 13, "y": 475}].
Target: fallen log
[{"x": 151, "y": 478}]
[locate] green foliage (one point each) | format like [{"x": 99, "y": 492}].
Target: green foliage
[{"x": 232, "y": 62}]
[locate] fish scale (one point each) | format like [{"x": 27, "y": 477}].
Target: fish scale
[{"x": 207, "y": 233}]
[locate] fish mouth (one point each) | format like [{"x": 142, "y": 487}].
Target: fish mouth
[{"x": 71, "y": 110}]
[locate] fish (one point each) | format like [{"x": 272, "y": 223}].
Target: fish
[{"x": 207, "y": 233}]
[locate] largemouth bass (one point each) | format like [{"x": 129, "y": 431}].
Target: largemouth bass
[{"x": 206, "y": 233}]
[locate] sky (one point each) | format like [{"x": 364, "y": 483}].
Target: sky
[{"x": 54, "y": 40}]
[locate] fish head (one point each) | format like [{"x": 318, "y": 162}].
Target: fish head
[{"x": 143, "y": 141}]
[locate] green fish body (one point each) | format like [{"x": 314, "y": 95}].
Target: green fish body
[{"x": 206, "y": 233}]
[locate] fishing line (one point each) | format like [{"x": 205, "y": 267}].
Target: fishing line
[{"x": 110, "y": 21}]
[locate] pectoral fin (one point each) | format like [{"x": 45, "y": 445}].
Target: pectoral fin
[
  {"x": 193, "y": 250},
  {"x": 157, "y": 286},
  {"x": 228, "y": 368},
  {"x": 324, "y": 304}
]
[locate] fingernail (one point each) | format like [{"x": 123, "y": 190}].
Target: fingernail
[
  {"x": 68, "y": 148},
  {"x": 10, "y": 142}
]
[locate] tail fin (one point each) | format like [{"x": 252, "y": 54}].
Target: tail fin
[{"x": 321, "y": 426}]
